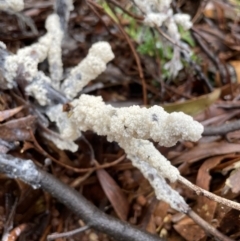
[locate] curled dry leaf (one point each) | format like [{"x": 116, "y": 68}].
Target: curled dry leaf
[{"x": 114, "y": 194}]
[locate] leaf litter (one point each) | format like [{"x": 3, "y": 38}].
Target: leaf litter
[{"x": 120, "y": 189}]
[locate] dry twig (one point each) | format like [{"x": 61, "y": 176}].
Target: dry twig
[
  {"x": 222, "y": 129},
  {"x": 201, "y": 192}
]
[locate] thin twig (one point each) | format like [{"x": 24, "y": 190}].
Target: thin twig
[
  {"x": 136, "y": 57},
  {"x": 75, "y": 169},
  {"x": 201, "y": 192},
  {"x": 67, "y": 234},
  {"x": 77, "y": 181}
]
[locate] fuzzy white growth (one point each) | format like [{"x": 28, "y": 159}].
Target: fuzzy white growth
[
  {"x": 93, "y": 65},
  {"x": 61, "y": 143},
  {"x": 162, "y": 190},
  {"x": 37, "y": 90},
  {"x": 134, "y": 122},
  {"x": 183, "y": 20},
  {"x": 128, "y": 126},
  {"x": 53, "y": 27},
  {"x": 14, "y": 5},
  {"x": 144, "y": 150},
  {"x": 70, "y": 7},
  {"x": 159, "y": 13},
  {"x": 68, "y": 130},
  {"x": 26, "y": 60},
  {"x": 10, "y": 71},
  {"x": 175, "y": 64},
  {"x": 155, "y": 19},
  {"x": 3, "y": 45},
  {"x": 4, "y": 54}
]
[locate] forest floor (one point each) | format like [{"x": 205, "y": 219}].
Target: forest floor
[{"x": 207, "y": 88}]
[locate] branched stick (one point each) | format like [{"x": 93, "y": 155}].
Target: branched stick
[{"x": 92, "y": 216}]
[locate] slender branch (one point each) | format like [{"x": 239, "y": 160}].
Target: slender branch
[
  {"x": 91, "y": 215},
  {"x": 221, "y": 130},
  {"x": 201, "y": 192},
  {"x": 67, "y": 234}
]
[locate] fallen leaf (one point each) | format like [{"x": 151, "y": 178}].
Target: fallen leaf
[
  {"x": 151, "y": 227},
  {"x": 205, "y": 150},
  {"x": 189, "y": 230},
  {"x": 195, "y": 105},
  {"x": 18, "y": 129},
  {"x": 231, "y": 222},
  {"x": 204, "y": 178},
  {"x": 114, "y": 193},
  {"x": 5, "y": 114},
  {"x": 206, "y": 207}
]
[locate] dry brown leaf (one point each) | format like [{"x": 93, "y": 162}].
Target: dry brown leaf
[
  {"x": 203, "y": 177},
  {"x": 151, "y": 227},
  {"x": 189, "y": 230},
  {"x": 231, "y": 222},
  {"x": 221, "y": 119},
  {"x": 206, "y": 207},
  {"x": 205, "y": 150},
  {"x": 18, "y": 129},
  {"x": 114, "y": 193},
  {"x": 5, "y": 114}
]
